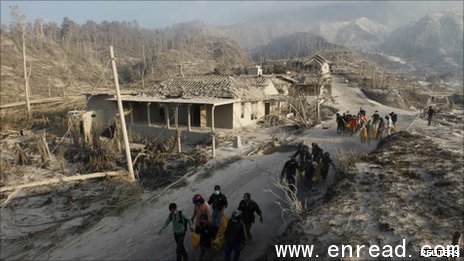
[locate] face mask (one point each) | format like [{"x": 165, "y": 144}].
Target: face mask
[{"x": 217, "y": 192}]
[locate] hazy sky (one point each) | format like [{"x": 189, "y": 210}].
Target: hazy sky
[
  {"x": 152, "y": 14},
  {"x": 147, "y": 13}
]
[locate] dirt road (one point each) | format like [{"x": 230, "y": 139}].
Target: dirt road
[{"x": 134, "y": 234}]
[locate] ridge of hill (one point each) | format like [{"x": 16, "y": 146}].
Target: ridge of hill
[{"x": 72, "y": 58}]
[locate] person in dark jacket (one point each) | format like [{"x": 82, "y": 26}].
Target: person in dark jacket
[
  {"x": 375, "y": 118},
  {"x": 206, "y": 232},
  {"x": 289, "y": 173},
  {"x": 180, "y": 222},
  {"x": 340, "y": 123},
  {"x": 394, "y": 118},
  {"x": 362, "y": 112},
  {"x": 325, "y": 165},
  {"x": 309, "y": 174},
  {"x": 235, "y": 236},
  {"x": 302, "y": 154},
  {"x": 430, "y": 114},
  {"x": 317, "y": 153},
  {"x": 218, "y": 202},
  {"x": 248, "y": 208}
]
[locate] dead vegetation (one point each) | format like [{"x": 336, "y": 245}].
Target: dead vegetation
[{"x": 376, "y": 204}]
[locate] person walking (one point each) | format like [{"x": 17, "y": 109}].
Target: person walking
[
  {"x": 340, "y": 123},
  {"x": 316, "y": 152},
  {"x": 207, "y": 233},
  {"x": 289, "y": 173},
  {"x": 381, "y": 129},
  {"x": 394, "y": 118},
  {"x": 389, "y": 123},
  {"x": 248, "y": 208},
  {"x": 180, "y": 222},
  {"x": 309, "y": 174},
  {"x": 218, "y": 202},
  {"x": 200, "y": 207},
  {"x": 302, "y": 153},
  {"x": 235, "y": 236},
  {"x": 325, "y": 165},
  {"x": 430, "y": 115},
  {"x": 375, "y": 118},
  {"x": 369, "y": 129}
]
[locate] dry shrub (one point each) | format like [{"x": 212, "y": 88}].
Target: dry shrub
[
  {"x": 44, "y": 151},
  {"x": 287, "y": 200},
  {"x": 46, "y": 116},
  {"x": 345, "y": 160},
  {"x": 126, "y": 193},
  {"x": 98, "y": 155},
  {"x": 21, "y": 156}
]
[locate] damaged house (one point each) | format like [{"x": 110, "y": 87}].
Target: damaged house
[{"x": 195, "y": 105}]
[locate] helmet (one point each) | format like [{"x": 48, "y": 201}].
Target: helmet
[
  {"x": 197, "y": 199},
  {"x": 246, "y": 196},
  {"x": 236, "y": 214},
  {"x": 326, "y": 154}
]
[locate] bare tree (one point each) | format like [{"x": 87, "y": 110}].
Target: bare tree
[
  {"x": 21, "y": 21},
  {"x": 287, "y": 199}
]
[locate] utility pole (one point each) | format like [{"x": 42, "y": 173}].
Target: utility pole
[{"x": 121, "y": 116}]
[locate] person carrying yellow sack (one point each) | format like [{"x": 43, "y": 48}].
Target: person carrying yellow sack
[
  {"x": 180, "y": 222},
  {"x": 201, "y": 207}
]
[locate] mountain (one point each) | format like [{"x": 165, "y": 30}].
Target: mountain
[
  {"x": 355, "y": 22},
  {"x": 292, "y": 46},
  {"x": 360, "y": 32},
  {"x": 434, "y": 41}
]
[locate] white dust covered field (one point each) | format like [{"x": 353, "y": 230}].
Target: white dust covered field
[{"x": 410, "y": 188}]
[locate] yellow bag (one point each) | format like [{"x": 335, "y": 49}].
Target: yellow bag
[
  {"x": 195, "y": 239},
  {"x": 315, "y": 178},
  {"x": 219, "y": 240},
  {"x": 363, "y": 135},
  {"x": 302, "y": 174}
]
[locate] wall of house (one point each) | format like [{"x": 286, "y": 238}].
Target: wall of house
[
  {"x": 151, "y": 132},
  {"x": 270, "y": 89},
  {"x": 223, "y": 116},
  {"x": 107, "y": 109},
  {"x": 157, "y": 114},
  {"x": 325, "y": 68},
  {"x": 139, "y": 111},
  {"x": 250, "y": 108}
]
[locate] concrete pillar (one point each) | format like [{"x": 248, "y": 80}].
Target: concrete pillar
[
  {"x": 213, "y": 139},
  {"x": 131, "y": 113},
  {"x": 168, "y": 121},
  {"x": 188, "y": 118},
  {"x": 148, "y": 113}
]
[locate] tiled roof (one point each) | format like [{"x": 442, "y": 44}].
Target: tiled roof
[{"x": 211, "y": 86}]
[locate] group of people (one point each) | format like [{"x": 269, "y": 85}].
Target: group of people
[
  {"x": 311, "y": 165},
  {"x": 372, "y": 128},
  {"x": 206, "y": 221}
]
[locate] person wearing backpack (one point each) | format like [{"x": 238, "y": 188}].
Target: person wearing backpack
[
  {"x": 235, "y": 236},
  {"x": 180, "y": 222}
]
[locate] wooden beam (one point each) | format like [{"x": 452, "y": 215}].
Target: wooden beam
[{"x": 61, "y": 179}]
